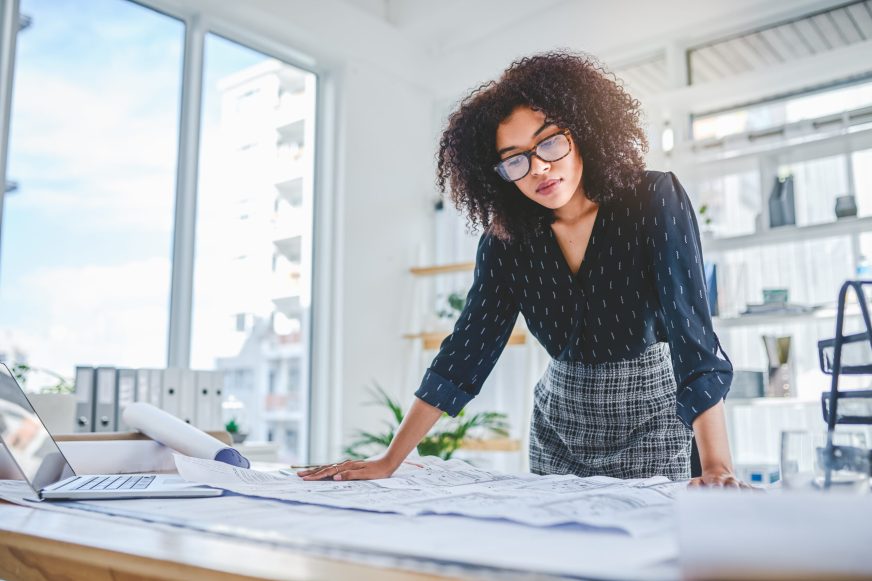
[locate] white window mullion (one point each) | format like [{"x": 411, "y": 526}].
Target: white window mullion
[
  {"x": 9, "y": 17},
  {"x": 179, "y": 344}
]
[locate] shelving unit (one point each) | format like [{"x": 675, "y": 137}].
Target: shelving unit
[
  {"x": 432, "y": 339},
  {"x": 734, "y": 175},
  {"x": 425, "y": 342}
]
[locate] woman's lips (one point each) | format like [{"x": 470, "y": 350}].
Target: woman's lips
[{"x": 548, "y": 187}]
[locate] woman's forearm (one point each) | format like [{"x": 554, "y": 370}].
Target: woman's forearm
[
  {"x": 710, "y": 430},
  {"x": 417, "y": 422}
]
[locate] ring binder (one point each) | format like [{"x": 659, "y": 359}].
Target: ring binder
[
  {"x": 105, "y": 399},
  {"x": 84, "y": 399}
]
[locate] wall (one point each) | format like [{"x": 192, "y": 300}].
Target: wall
[
  {"x": 383, "y": 135},
  {"x": 389, "y": 176}
]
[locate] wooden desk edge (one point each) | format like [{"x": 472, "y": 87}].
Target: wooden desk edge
[{"x": 39, "y": 544}]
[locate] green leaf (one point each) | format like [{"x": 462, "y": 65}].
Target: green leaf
[
  {"x": 443, "y": 440},
  {"x": 382, "y": 397},
  {"x": 457, "y": 301}
]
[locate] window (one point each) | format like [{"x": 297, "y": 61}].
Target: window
[
  {"x": 87, "y": 232},
  {"x": 776, "y": 113},
  {"x": 86, "y": 263},
  {"x": 271, "y": 381},
  {"x": 255, "y": 146}
]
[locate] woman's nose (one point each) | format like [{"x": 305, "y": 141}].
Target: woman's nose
[{"x": 537, "y": 166}]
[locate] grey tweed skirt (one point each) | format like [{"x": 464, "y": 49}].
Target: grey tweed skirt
[{"x": 612, "y": 419}]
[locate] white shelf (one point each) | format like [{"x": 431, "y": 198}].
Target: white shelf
[
  {"x": 785, "y": 234},
  {"x": 851, "y": 310},
  {"x": 778, "y": 139},
  {"x": 772, "y": 401}
]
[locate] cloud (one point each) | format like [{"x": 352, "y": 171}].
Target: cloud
[
  {"x": 84, "y": 150},
  {"x": 94, "y": 146},
  {"x": 115, "y": 315}
]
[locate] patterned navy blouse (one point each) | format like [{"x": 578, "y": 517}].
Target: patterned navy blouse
[{"x": 641, "y": 282}]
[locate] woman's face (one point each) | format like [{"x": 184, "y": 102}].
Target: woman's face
[{"x": 522, "y": 130}]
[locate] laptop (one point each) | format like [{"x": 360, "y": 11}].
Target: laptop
[{"x": 30, "y": 448}]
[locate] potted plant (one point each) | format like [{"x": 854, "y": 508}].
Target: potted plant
[
  {"x": 445, "y": 438},
  {"x": 232, "y": 428},
  {"x": 447, "y": 311},
  {"x": 455, "y": 304}
]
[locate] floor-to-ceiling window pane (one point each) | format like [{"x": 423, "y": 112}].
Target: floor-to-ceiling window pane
[
  {"x": 254, "y": 231},
  {"x": 87, "y": 223}
]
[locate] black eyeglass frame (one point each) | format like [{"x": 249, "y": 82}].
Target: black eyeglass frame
[{"x": 531, "y": 152}]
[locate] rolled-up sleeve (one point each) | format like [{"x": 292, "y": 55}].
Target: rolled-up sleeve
[
  {"x": 675, "y": 257},
  {"x": 467, "y": 355}
]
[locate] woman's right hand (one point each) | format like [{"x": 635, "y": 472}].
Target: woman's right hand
[
  {"x": 351, "y": 470},
  {"x": 413, "y": 428}
]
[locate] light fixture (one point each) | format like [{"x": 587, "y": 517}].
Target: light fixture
[{"x": 667, "y": 138}]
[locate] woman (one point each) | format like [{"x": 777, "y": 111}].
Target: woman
[{"x": 603, "y": 259}]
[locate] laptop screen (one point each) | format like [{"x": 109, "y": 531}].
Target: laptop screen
[{"x": 26, "y": 438}]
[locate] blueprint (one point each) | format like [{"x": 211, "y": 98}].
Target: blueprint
[
  {"x": 439, "y": 544},
  {"x": 437, "y": 487}
]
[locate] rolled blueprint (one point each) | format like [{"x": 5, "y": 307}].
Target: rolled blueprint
[{"x": 170, "y": 431}]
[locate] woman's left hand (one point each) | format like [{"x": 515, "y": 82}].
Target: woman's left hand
[{"x": 719, "y": 479}]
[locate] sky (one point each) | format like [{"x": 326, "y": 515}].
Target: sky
[{"x": 86, "y": 246}]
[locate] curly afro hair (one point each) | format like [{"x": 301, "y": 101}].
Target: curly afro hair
[{"x": 575, "y": 92}]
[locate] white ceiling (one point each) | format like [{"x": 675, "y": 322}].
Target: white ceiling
[
  {"x": 446, "y": 47},
  {"x": 470, "y": 40},
  {"x": 441, "y": 25}
]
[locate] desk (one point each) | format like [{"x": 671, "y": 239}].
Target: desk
[
  {"x": 39, "y": 544},
  {"x": 42, "y": 544}
]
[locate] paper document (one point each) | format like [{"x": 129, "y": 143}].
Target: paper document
[
  {"x": 637, "y": 506},
  {"x": 434, "y": 543},
  {"x": 169, "y": 430}
]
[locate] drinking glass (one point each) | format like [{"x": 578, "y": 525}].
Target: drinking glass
[{"x": 804, "y": 460}]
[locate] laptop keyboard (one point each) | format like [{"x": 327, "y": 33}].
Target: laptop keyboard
[{"x": 120, "y": 482}]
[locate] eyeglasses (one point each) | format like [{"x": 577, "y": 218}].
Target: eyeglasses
[{"x": 549, "y": 149}]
